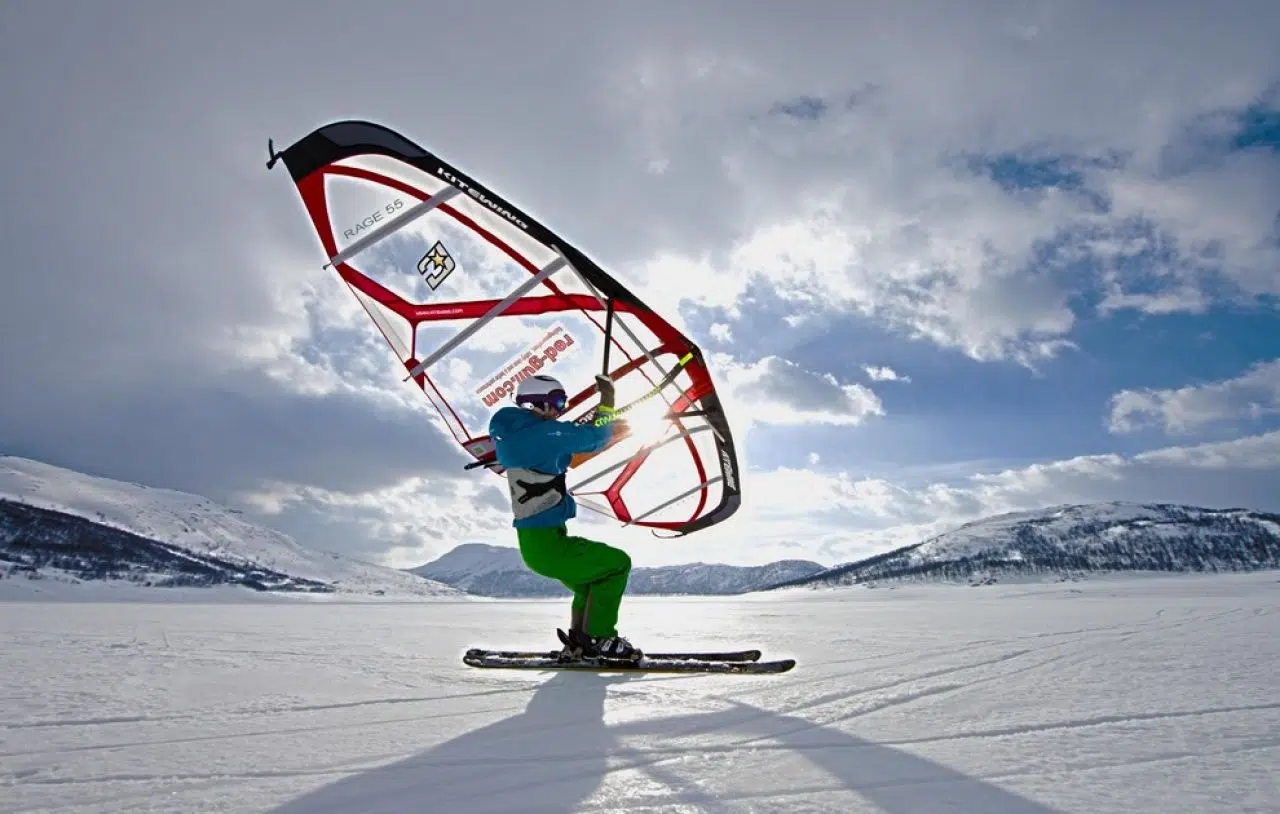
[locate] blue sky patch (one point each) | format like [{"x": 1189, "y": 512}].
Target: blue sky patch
[
  {"x": 806, "y": 108},
  {"x": 1013, "y": 172},
  {"x": 1259, "y": 124}
]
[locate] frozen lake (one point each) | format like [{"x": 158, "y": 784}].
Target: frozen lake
[{"x": 1157, "y": 695}]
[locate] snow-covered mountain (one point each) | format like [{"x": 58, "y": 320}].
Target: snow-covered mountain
[
  {"x": 1067, "y": 541},
  {"x": 56, "y": 522},
  {"x": 490, "y": 570}
]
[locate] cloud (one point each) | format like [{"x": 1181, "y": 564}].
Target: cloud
[
  {"x": 1205, "y": 236},
  {"x": 237, "y": 435},
  {"x": 1251, "y": 453},
  {"x": 777, "y": 391},
  {"x": 855, "y": 202},
  {"x": 1217, "y": 473},
  {"x": 884, "y": 374},
  {"x": 1249, "y": 396},
  {"x": 1224, "y": 473},
  {"x": 845, "y": 517},
  {"x": 403, "y": 524},
  {"x": 860, "y": 255}
]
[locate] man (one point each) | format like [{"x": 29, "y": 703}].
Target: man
[{"x": 536, "y": 451}]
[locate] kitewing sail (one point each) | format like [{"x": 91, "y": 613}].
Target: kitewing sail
[{"x": 473, "y": 295}]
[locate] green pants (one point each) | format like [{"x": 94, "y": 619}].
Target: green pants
[{"x": 596, "y": 573}]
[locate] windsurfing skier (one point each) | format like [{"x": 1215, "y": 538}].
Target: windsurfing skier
[{"x": 536, "y": 450}]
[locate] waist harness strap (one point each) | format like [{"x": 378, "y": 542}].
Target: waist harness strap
[{"x": 533, "y": 492}]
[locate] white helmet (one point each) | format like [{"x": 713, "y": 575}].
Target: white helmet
[{"x": 542, "y": 391}]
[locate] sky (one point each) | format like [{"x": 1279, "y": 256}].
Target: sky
[{"x": 946, "y": 260}]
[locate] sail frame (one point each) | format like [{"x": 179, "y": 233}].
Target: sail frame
[{"x": 685, "y": 387}]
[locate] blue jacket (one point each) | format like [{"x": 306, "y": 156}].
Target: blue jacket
[{"x": 524, "y": 440}]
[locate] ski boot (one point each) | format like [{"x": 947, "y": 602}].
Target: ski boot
[
  {"x": 572, "y": 650},
  {"x": 579, "y": 645},
  {"x": 569, "y": 650}
]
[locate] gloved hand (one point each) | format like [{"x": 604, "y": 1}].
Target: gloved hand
[{"x": 605, "y": 385}]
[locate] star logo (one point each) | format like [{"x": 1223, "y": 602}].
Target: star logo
[{"x": 436, "y": 265}]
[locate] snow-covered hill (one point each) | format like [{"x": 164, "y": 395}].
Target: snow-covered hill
[
  {"x": 469, "y": 562},
  {"x": 1067, "y": 541},
  {"x": 490, "y": 570},
  {"x": 164, "y": 537}
]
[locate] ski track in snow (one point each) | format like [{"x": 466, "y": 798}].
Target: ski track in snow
[{"x": 1111, "y": 695}]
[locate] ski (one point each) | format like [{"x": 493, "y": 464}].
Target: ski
[
  {"x": 711, "y": 655},
  {"x": 489, "y": 659}
]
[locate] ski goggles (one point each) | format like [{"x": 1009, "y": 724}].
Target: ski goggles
[{"x": 556, "y": 400}]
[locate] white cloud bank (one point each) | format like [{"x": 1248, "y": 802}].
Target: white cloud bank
[
  {"x": 839, "y": 517},
  {"x": 1252, "y": 395},
  {"x": 777, "y": 391},
  {"x": 884, "y": 374}
]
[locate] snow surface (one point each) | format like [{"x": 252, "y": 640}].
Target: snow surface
[
  {"x": 197, "y": 524},
  {"x": 1112, "y": 695}
]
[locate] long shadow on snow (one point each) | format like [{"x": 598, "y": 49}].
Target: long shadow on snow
[
  {"x": 553, "y": 756},
  {"x": 548, "y": 758},
  {"x": 890, "y": 780}
]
